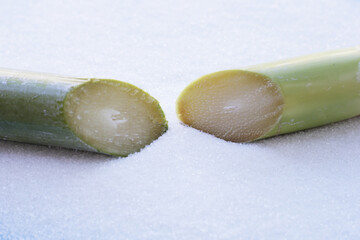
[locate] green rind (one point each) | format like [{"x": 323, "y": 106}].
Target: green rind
[
  {"x": 31, "y": 109},
  {"x": 318, "y": 89}
]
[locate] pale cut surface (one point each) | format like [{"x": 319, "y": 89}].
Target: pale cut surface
[
  {"x": 114, "y": 117},
  {"x": 234, "y": 105}
]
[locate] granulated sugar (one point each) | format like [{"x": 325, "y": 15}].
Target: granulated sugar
[{"x": 187, "y": 184}]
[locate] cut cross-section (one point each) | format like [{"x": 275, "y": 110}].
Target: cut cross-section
[
  {"x": 114, "y": 117},
  {"x": 234, "y": 105}
]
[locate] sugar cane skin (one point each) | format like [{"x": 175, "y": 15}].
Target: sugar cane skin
[
  {"x": 33, "y": 109},
  {"x": 312, "y": 91}
]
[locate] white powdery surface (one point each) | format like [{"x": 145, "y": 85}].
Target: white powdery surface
[{"x": 187, "y": 184}]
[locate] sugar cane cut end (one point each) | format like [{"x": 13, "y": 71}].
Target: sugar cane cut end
[
  {"x": 114, "y": 117},
  {"x": 235, "y": 105}
]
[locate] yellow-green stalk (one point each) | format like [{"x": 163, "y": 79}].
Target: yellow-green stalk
[
  {"x": 275, "y": 98},
  {"x": 99, "y": 115}
]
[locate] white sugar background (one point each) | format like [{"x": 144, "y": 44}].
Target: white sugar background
[{"x": 187, "y": 184}]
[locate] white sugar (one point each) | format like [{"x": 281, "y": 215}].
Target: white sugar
[{"x": 187, "y": 184}]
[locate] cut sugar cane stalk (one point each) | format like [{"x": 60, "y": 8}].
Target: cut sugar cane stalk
[
  {"x": 276, "y": 98},
  {"x": 99, "y": 115}
]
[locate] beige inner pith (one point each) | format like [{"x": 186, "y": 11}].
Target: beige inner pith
[
  {"x": 234, "y": 105},
  {"x": 113, "y": 117}
]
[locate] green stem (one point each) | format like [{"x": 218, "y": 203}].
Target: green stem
[
  {"x": 317, "y": 89},
  {"x": 40, "y": 108},
  {"x": 276, "y": 98}
]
